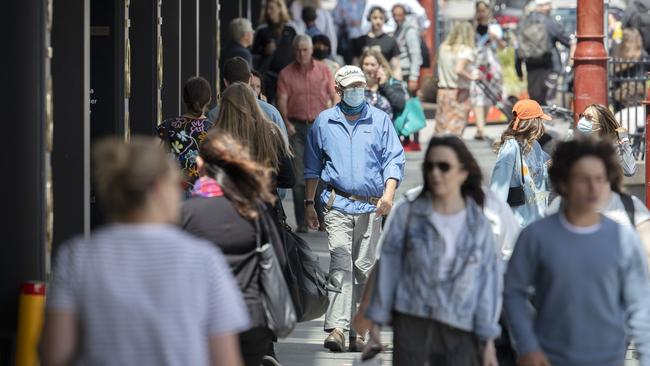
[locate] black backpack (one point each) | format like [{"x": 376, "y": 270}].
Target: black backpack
[
  {"x": 426, "y": 55},
  {"x": 628, "y": 203}
]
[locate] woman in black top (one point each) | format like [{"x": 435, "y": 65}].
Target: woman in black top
[
  {"x": 377, "y": 39},
  {"x": 227, "y": 204},
  {"x": 273, "y": 44}
]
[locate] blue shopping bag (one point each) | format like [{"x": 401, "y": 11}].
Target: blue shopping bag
[{"x": 411, "y": 119}]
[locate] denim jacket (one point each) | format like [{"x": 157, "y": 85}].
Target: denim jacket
[
  {"x": 408, "y": 281},
  {"x": 507, "y": 174}
]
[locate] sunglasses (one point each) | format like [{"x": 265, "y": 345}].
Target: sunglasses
[
  {"x": 588, "y": 117},
  {"x": 443, "y": 166}
]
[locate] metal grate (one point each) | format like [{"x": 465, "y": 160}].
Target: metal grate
[{"x": 628, "y": 82}]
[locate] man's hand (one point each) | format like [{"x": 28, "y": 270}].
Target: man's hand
[
  {"x": 490, "y": 354},
  {"x": 311, "y": 217},
  {"x": 413, "y": 86},
  {"x": 291, "y": 130},
  {"x": 360, "y": 323},
  {"x": 537, "y": 358},
  {"x": 384, "y": 205}
]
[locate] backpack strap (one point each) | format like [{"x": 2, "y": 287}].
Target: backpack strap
[{"x": 628, "y": 203}]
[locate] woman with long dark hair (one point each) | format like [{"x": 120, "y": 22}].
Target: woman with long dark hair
[
  {"x": 228, "y": 208},
  {"x": 184, "y": 133},
  {"x": 438, "y": 278},
  {"x": 520, "y": 174}
]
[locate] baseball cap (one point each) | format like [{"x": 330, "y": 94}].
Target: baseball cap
[
  {"x": 528, "y": 109},
  {"x": 348, "y": 75},
  {"x": 542, "y": 2}
]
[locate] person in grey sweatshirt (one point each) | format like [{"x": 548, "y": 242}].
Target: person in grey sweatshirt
[{"x": 588, "y": 273}]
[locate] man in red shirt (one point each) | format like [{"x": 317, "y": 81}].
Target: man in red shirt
[{"x": 305, "y": 88}]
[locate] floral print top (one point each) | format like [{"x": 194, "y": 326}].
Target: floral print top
[{"x": 183, "y": 136}]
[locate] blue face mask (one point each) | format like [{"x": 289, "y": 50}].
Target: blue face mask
[
  {"x": 354, "y": 97},
  {"x": 585, "y": 126}
]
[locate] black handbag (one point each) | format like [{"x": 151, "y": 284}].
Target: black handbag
[
  {"x": 308, "y": 282},
  {"x": 276, "y": 299},
  {"x": 516, "y": 195}
]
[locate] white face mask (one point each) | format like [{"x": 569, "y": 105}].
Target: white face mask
[
  {"x": 354, "y": 96},
  {"x": 585, "y": 126}
]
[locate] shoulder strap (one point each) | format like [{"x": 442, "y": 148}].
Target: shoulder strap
[
  {"x": 628, "y": 203},
  {"x": 521, "y": 163},
  {"x": 258, "y": 232}
]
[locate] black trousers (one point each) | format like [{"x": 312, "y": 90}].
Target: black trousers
[
  {"x": 540, "y": 84},
  {"x": 254, "y": 345},
  {"x": 419, "y": 341}
]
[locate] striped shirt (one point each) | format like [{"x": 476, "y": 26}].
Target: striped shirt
[{"x": 146, "y": 294}]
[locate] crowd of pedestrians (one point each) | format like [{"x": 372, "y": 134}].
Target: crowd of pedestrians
[{"x": 545, "y": 263}]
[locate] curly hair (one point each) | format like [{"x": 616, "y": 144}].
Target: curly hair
[
  {"x": 527, "y": 131},
  {"x": 568, "y": 153},
  {"x": 243, "y": 181},
  {"x": 472, "y": 187}
]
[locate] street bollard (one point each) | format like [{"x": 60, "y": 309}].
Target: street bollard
[
  {"x": 30, "y": 322},
  {"x": 590, "y": 57}
]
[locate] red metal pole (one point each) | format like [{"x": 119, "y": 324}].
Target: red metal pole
[
  {"x": 646, "y": 102},
  {"x": 590, "y": 57}
]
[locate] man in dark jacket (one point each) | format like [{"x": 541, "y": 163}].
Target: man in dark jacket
[
  {"x": 542, "y": 72},
  {"x": 241, "y": 36}
]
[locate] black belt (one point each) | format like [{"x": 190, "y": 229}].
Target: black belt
[
  {"x": 298, "y": 120},
  {"x": 350, "y": 196}
]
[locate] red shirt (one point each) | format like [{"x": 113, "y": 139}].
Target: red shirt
[{"x": 308, "y": 91}]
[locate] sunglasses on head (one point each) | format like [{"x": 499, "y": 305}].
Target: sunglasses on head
[
  {"x": 585, "y": 116},
  {"x": 443, "y": 166}
]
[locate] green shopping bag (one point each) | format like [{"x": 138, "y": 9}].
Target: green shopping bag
[{"x": 411, "y": 119}]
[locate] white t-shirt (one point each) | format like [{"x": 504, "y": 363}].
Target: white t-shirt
[
  {"x": 449, "y": 226},
  {"x": 447, "y": 59},
  {"x": 614, "y": 210}
]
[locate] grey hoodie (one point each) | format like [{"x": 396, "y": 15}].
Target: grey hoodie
[{"x": 407, "y": 36}]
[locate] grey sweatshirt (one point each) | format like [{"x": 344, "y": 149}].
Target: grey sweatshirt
[
  {"x": 590, "y": 291},
  {"x": 408, "y": 38}
]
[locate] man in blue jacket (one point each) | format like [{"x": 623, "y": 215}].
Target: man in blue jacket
[{"x": 354, "y": 149}]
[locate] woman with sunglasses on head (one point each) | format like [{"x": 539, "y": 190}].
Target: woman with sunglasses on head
[
  {"x": 438, "y": 282},
  {"x": 599, "y": 119},
  {"x": 520, "y": 174}
]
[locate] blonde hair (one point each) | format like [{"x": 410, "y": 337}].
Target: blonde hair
[
  {"x": 241, "y": 117},
  {"x": 284, "y": 13},
  {"x": 381, "y": 60},
  {"x": 125, "y": 172},
  {"x": 462, "y": 34},
  {"x": 528, "y": 130}
]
